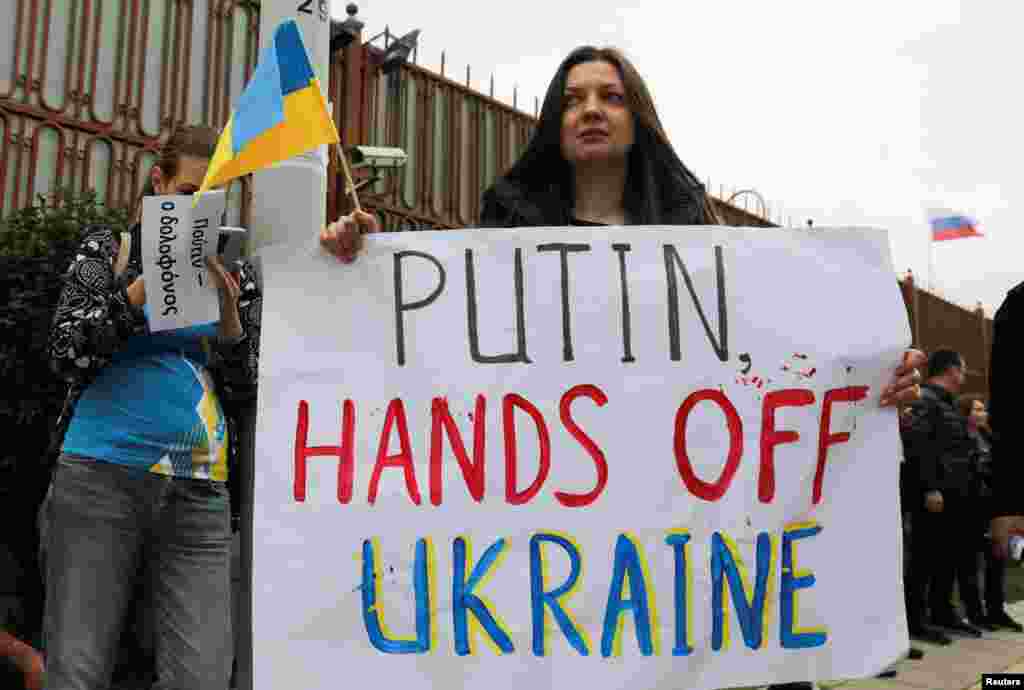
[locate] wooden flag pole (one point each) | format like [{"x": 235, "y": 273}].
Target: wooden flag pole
[{"x": 350, "y": 185}]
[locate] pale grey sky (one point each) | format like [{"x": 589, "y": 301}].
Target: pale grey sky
[{"x": 848, "y": 113}]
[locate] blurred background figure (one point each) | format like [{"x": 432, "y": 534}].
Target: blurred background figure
[
  {"x": 940, "y": 451},
  {"x": 994, "y": 567}
]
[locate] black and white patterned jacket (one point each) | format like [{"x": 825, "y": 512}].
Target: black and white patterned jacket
[{"x": 94, "y": 317}]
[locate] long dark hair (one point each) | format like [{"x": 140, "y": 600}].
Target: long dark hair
[{"x": 658, "y": 184}]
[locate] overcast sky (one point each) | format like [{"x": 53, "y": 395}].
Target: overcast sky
[{"x": 860, "y": 113}]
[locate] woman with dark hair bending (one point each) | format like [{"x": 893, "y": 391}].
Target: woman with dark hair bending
[{"x": 141, "y": 479}]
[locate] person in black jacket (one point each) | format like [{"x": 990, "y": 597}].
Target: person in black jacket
[
  {"x": 1005, "y": 383},
  {"x": 940, "y": 451},
  {"x": 973, "y": 407}
]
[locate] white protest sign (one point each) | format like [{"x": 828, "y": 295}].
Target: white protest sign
[
  {"x": 553, "y": 458},
  {"x": 176, "y": 239}
]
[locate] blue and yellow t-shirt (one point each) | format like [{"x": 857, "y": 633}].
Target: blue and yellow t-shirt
[
  {"x": 154, "y": 407},
  {"x": 145, "y": 400}
]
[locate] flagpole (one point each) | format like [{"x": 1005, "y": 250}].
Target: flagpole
[
  {"x": 350, "y": 186},
  {"x": 929, "y": 217},
  {"x": 288, "y": 203},
  {"x": 931, "y": 262}
]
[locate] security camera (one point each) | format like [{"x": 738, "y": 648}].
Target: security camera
[{"x": 378, "y": 157}]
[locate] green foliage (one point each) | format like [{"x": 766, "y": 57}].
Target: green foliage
[
  {"x": 54, "y": 225},
  {"x": 36, "y": 244}
]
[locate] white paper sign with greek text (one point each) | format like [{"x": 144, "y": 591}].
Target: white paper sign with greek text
[
  {"x": 176, "y": 239},
  {"x": 598, "y": 458}
]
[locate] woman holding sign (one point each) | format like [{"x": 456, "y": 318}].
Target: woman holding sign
[
  {"x": 141, "y": 480},
  {"x": 600, "y": 156}
]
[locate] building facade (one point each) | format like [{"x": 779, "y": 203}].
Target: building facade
[{"x": 88, "y": 88}]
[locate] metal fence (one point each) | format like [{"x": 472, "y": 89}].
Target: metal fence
[
  {"x": 88, "y": 87},
  {"x": 938, "y": 324},
  {"x": 458, "y": 141}
]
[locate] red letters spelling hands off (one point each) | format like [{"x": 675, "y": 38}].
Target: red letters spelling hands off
[{"x": 473, "y": 471}]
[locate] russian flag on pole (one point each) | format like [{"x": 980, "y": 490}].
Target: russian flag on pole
[{"x": 951, "y": 225}]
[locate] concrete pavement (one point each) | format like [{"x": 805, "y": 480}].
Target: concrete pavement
[{"x": 954, "y": 667}]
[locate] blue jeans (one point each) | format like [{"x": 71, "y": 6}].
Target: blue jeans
[{"x": 101, "y": 520}]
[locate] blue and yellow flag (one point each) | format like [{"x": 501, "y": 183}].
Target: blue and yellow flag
[{"x": 280, "y": 114}]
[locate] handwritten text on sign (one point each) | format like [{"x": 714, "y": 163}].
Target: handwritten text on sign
[
  {"x": 557, "y": 442},
  {"x": 176, "y": 241}
]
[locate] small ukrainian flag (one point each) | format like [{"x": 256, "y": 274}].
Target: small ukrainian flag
[{"x": 280, "y": 114}]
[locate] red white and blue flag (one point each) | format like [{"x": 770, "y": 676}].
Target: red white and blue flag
[{"x": 951, "y": 225}]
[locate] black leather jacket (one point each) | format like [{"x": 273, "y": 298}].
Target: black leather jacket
[
  {"x": 981, "y": 467},
  {"x": 94, "y": 318},
  {"x": 938, "y": 446},
  {"x": 508, "y": 204},
  {"x": 1006, "y": 381}
]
